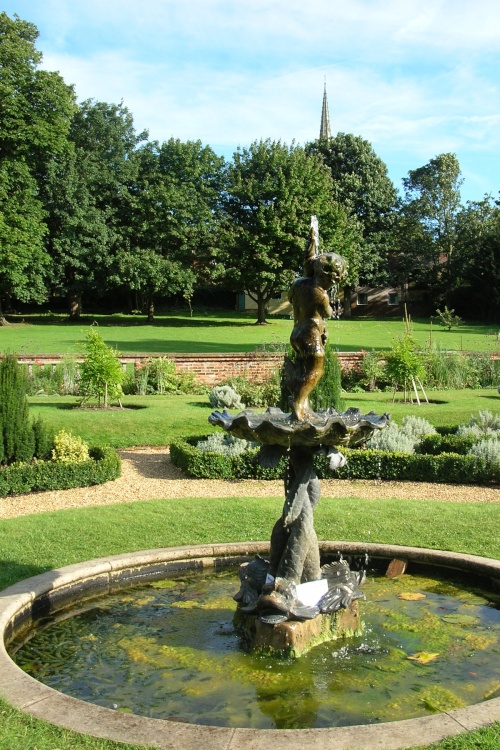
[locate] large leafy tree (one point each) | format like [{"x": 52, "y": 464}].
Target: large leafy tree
[
  {"x": 36, "y": 107},
  {"x": 174, "y": 220},
  {"x": 428, "y": 223},
  {"x": 475, "y": 263},
  {"x": 89, "y": 200},
  {"x": 362, "y": 187},
  {"x": 272, "y": 191}
]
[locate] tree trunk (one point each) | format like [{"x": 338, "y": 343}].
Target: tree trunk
[
  {"x": 151, "y": 310},
  {"x": 261, "y": 310},
  {"x": 347, "y": 301},
  {"x": 3, "y": 319},
  {"x": 75, "y": 305}
]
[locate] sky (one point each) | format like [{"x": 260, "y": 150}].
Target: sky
[{"x": 415, "y": 78}]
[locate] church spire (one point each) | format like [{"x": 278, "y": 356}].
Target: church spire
[{"x": 325, "y": 131}]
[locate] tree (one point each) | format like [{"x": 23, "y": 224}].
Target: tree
[
  {"x": 24, "y": 262},
  {"x": 174, "y": 220},
  {"x": 428, "y": 225},
  {"x": 101, "y": 374},
  {"x": 36, "y": 107},
  {"x": 272, "y": 191},
  {"x": 89, "y": 200},
  {"x": 362, "y": 187},
  {"x": 475, "y": 266}
]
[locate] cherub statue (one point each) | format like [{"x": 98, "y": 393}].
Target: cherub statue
[{"x": 311, "y": 305}]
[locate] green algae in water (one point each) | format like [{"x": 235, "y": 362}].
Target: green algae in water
[{"x": 169, "y": 650}]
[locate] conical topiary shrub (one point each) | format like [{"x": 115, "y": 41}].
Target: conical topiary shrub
[{"x": 17, "y": 438}]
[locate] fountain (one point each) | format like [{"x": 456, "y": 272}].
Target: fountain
[
  {"x": 292, "y": 586},
  {"x": 287, "y": 603}
]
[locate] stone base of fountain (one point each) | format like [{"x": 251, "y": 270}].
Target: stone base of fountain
[{"x": 295, "y": 637}]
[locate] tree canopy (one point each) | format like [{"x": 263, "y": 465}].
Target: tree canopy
[{"x": 271, "y": 192}]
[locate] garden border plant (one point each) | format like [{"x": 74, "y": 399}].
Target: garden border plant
[
  {"x": 450, "y": 467},
  {"x": 103, "y": 465}
]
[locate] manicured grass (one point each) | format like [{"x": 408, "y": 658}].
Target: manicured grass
[
  {"x": 157, "y": 420},
  {"x": 33, "y": 544},
  {"x": 224, "y": 332}
]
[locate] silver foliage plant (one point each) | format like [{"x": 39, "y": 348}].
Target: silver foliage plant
[
  {"x": 401, "y": 439},
  {"x": 225, "y": 397}
]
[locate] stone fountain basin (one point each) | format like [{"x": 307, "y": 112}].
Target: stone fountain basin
[{"x": 22, "y": 604}]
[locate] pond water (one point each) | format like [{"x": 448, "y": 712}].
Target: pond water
[{"x": 169, "y": 650}]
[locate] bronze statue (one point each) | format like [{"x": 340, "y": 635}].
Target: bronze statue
[
  {"x": 294, "y": 556},
  {"x": 311, "y": 305}
]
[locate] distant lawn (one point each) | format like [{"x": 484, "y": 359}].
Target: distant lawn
[
  {"x": 33, "y": 544},
  {"x": 157, "y": 420},
  {"x": 224, "y": 332}
]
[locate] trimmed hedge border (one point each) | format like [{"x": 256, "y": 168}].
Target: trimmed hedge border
[
  {"x": 451, "y": 468},
  {"x": 104, "y": 464}
]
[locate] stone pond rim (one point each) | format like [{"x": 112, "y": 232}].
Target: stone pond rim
[{"x": 56, "y": 589}]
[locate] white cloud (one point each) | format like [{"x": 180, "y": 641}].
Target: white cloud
[{"x": 414, "y": 77}]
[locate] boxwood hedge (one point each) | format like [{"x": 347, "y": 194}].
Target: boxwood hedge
[
  {"x": 361, "y": 464},
  {"x": 104, "y": 464}
]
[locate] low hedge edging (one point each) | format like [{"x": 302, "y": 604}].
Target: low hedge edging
[
  {"x": 361, "y": 464},
  {"x": 104, "y": 464}
]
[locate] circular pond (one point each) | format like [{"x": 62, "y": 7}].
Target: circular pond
[{"x": 168, "y": 649}]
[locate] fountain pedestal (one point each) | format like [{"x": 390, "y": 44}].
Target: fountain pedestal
[{"x": 294, "y": 638}]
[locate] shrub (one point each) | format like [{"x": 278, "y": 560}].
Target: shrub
[
  {"x": 372, "y": 370},
  {"x": 159, "y": 375},
  {"x": 484, "y": 425},
  {"x": 402, "y": 439},
  {"x": 225, "y": 444},
  {"x": 436, "y": 444},
  {"x": 361, "y": 464},
  {"x": 489, "y": 452},
  {"x": 103, "y": 465},
  {"x": 17, "y": 440},
  {"x": 447, "y": 319},
  {"x": 225, "y": 397},
  {"x": 405, "y": 363},
  {"x": 101, "y": 373},
  {"x": 416, "y": 427},
  {"x": 69, "y": 449},
  {"x": 328, "y": 392},
  {"x": 392, "y": 439},
  {"x": 44, "y": 439}
]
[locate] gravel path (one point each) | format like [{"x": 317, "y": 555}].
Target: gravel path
[{"x": 148, "y": 473}]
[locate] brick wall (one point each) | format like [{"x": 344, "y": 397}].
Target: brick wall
[{"x": 210, "y": 369}]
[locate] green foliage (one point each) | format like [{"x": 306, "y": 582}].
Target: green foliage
[
  {"x": 404, "y": 439},
  {"x": 17, "y": 439},
  {"x": 69, "y": 448},
  {"x": 361, "y": 464},
  {"x": 404, "y": 362},
  {"x": 485, "y": 425},
  {"x": 489, "y": 452},
  {"x": 450, "y": 443},
  {"x": 44, "y": 439},
  {"x": 272, "y": 191},
  {"x": 225, "y": 397},
  {"x": 101, "y": 374},
  {"x": 256, "y": 394},
  {"x": 328, "y": 392},
  {"x": 36, "y": 108},
  {"x": 104, "y": 465},
  {"x": 159, "y": 375},
  {"x": 225, "y": 444},
  {"x": 448, "y": 319},
  {"x": 362, "y": 186}
]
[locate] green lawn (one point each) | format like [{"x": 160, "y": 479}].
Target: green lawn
[
  {"x": 33, "y": 544},
  {"x": 157, "y": 420},
  {"x": 224, "y": 332}
]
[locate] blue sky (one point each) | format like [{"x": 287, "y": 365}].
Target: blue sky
[{"x": 416, "y": 78}]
